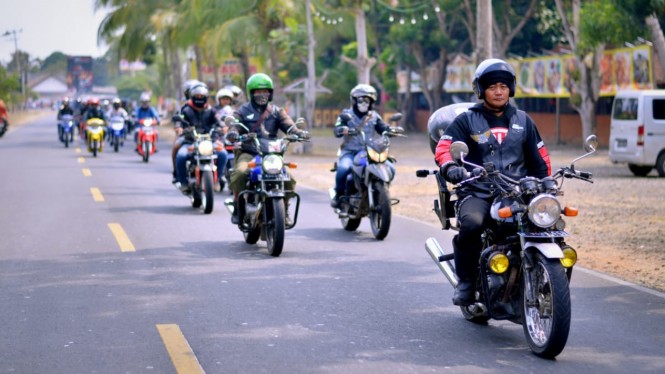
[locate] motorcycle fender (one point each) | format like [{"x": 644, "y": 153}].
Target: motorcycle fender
[
  {"x": 381, "y": 171},
  {"x": 549, "y": 250},
  {"x": 206, "y": 167},
  {"x": 275, "y": 194}
]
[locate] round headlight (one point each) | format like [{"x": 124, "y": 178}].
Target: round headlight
[
  {"x": 499, "y": 263},
  {"x": 569, "y": 257},
  {"x": 205, "y": 148},
  {"x": 544, "y": 211},
  {"x": 272, "y": 164}
]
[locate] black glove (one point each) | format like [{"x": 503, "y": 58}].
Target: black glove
[
  {"x": 455, "y": 174},
  {"x": 232, "y": 136},
  {"x": 302, "y": 134}
]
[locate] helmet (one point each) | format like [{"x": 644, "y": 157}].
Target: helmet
[
  {"x": 362, "y": 90},
  {"x": 188, "y": 86},
  {"x": 491, "y": 71},
  {"x": 237, "y": 91},
  {"x": 65, "y": 101},
  {"x": 116, "y": 103},
  {"x": 440, "y": 120},
  {"x": 93, "y": 101},
  {"x": 224, "y": 93},
  {"x": 199, "y": 95},
  {"x": 259, "y": 81}
]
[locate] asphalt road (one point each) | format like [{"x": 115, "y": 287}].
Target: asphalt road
[{"x": 140, "y": 282}]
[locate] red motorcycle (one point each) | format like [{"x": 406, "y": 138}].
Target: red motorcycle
[{"x": 146, "y": 144}]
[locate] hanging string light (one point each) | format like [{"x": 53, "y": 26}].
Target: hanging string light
[{"x": 407, "y": 10}]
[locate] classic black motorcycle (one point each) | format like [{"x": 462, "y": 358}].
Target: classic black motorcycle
[
  {"x": 368, "y": 184},
  {"x": 261, "y": 205},
  {"x": 525, "y": 267}
]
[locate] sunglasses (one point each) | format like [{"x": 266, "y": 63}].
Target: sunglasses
[{"x": 363, "y": 100}]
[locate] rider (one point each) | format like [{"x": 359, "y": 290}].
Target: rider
[
  {"x": 117, "y": 110},
  {"x": 64, "y": 110},
  {"x": 223, "y": 108},
  {"x": 496, "y": 132},
  {"x": 264, "y": 119},
  {"x": 364, "y": 119},
  {"x": 145, "y": 111},
  {"x": 237, "y": 92},
  {"x": 197, "y": 115}
]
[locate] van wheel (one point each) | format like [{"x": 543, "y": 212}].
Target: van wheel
[
  {"x": 639, "y": 171},
  {"x": 660, "y": 165}
]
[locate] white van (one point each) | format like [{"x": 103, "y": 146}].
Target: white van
[{"x": 637, "y": 131}]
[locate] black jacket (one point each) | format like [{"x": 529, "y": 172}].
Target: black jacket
[
  {"x": 276, "y": 120},
  {"x": 521, "y": 153},
  {"x": 202, "y": 120}
]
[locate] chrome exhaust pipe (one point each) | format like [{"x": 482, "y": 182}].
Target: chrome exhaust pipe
[{"x": 436, "y": 252}]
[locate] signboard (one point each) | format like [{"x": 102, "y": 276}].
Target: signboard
[
  {"x": 79, "y": 74},
  {"x": 552, "y": 76}
]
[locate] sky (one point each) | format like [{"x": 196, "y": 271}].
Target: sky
[{"x": 67, "y": 26}]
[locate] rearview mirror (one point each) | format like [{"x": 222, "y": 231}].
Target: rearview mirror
[
  {"x": 591, "y": 143},
  {"x": 458, "y": 150}
]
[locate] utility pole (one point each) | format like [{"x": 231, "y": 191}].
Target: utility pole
[{"x": 12, "y": 34}]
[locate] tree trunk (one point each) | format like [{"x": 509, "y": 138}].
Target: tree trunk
[
  {"x": 363, "y": 62},
  {"x": 310, "y": 95},
  {"x": 198, "y": 55},
  {"x": 657, "y": 38},
  {"x": 484, "y": 36}
]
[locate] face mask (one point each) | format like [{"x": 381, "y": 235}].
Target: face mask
[
  {"x": 199, "y": 102},
  {"x": 261, "y": 99},
  {"x": 363, "y": 105}
]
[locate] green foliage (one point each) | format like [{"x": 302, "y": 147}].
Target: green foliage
[
  {"x": 55, "y": 63},
  {"x": 9, "y": 83},
  {"x": 132, "y": 85}
]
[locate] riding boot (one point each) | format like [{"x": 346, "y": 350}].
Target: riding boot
[{"x": 465, "y": 268}]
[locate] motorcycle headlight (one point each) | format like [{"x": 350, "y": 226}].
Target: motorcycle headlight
[
  {"x": 544, "y": 210},
  {"x": 205, "y": 148},
  {"x": 569, "y": 257},
  {"x": 376, "y": 156},
  {"x": 499, "y": 263},
  {"x": 272, "y": 164}
]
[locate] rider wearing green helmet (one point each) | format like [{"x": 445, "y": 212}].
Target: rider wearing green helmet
[{"x": 264, "y": 119}]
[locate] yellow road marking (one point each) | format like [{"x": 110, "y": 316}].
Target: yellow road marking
[
  {"x": 122, "y": 238},
  {"x": 86, "y": 172},
  {"x": 81, "y": 160},
  {"x": 96, "y": 194},
  {"x": 179, "y": 350}
]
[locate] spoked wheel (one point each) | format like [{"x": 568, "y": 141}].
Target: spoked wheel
[
  {"x": 207, "y": 192},
  {"x": 380, "y": 213},
  {"x": 275, "y": 227},
  {"x": 546, "y": 307},
  {"x": 252, "y": 236}
]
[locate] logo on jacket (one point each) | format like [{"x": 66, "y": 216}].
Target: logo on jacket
[
  {"x": 250, "y": 116},
  {"x": 482, "y": 138}
]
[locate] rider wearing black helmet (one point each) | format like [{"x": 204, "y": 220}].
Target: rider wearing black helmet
[
  {"x": 363, "y": 119},
  {"x": 495, "y": 132}
]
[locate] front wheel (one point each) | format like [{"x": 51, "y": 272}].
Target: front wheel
[
  {"x": 207, "y": 196},
  {"x": 380, "y": 214},
  {"x": 546, "y": 307},
  {"x": 95, "y": 147},
  {"x": 146, "y": 151},
  {"x": 275, "y": 227},
  {"x": 116, "y": 143}
]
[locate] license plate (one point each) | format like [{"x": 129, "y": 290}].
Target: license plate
[{"x": 622, "y": 143}]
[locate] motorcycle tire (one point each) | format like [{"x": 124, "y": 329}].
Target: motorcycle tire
[
  {"x": 116, "y": 144},
  {"x": 350, "y": 224},
  {"x": 207, "y": 192},
  {"x": 380, "y": 213},
  {"x": 95, "y": 145},
  {"x": 275, "y": 227},
  {"x": 546, "y": 320},
  {"x": 196, "y": 198},
  {"x": 146, "y": 151},
  {"x": 470, "y": 316},
  {"x": 66, "y": 139}
]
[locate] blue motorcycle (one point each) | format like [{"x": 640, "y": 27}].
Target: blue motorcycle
[
  {"x": 116, "y": 132},
  {"x": 66, "y": 129}
]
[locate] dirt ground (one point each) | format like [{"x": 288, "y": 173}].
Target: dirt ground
[{"x": 620, "y": 229}]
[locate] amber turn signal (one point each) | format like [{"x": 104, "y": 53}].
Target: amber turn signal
[
  {"x": 251, "y": 164},
  {"x": 292, "y": 165},
  {"x": 570, "y": 212},
  {"x": 505, "y": 212}
]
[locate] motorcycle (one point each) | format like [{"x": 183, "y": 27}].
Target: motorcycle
[
  {"x": 66, "y": 127},
  {"x": 368, "y": 183},
  {"x": 94, "y": 130},
  {"x": 146, "y": 144},
  {"x": 117, "y": 132},
  {"x": 525, "y": 267},
  {"x": 201, "y": 168},
  {"x": 262, "y": 204}
]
